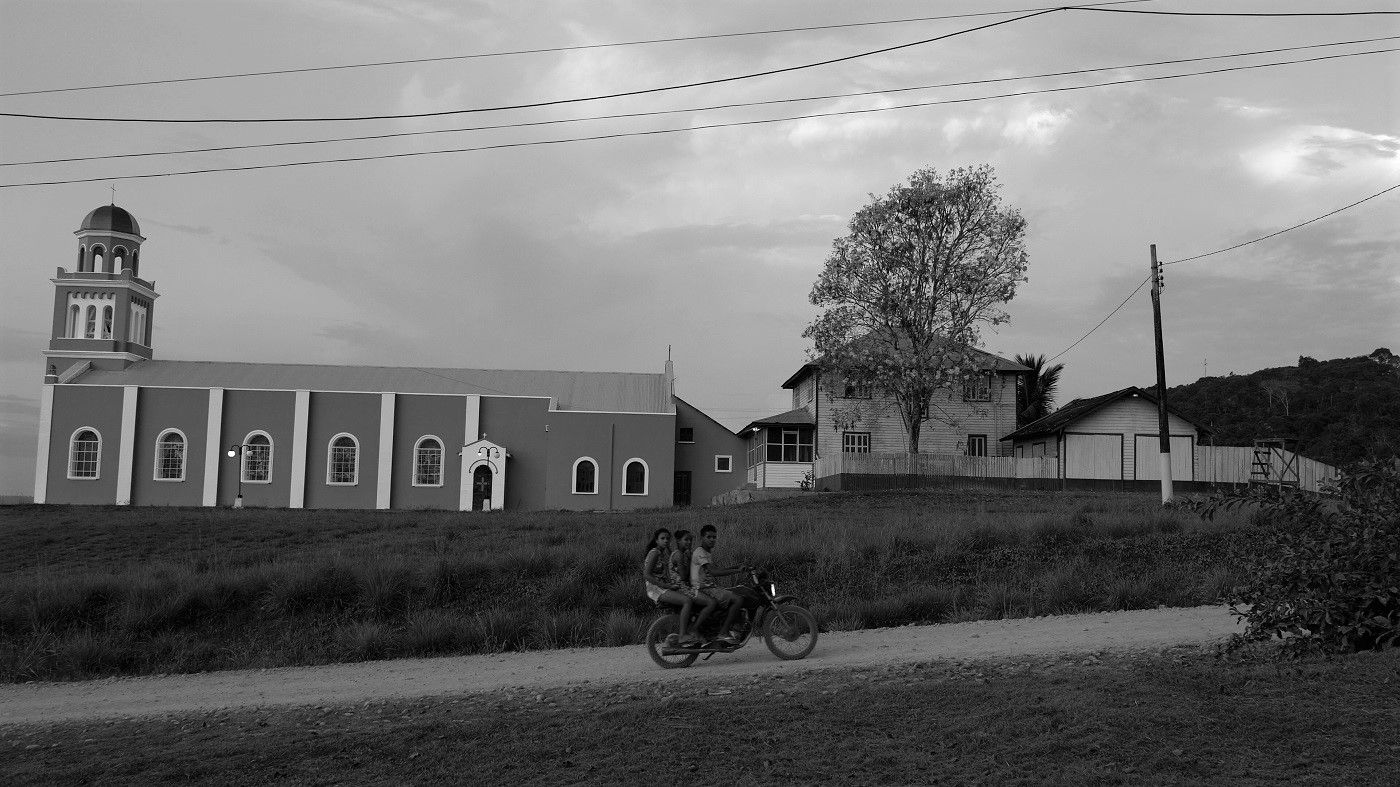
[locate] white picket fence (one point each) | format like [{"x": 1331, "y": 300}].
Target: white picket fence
[{"x": 1213, "y": 464}]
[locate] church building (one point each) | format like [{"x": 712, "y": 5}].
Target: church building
[{"x": 117, "y": 426}]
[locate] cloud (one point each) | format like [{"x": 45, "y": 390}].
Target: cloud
[
  {"x": 1311, "y": 152},
  {"x": 1238, "y": 107},
  {"x": 1036, "y": 127}
]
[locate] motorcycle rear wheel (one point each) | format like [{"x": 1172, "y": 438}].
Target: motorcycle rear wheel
[
  {"x": 790, "y": 632},
  {"x": 656, "y": 642}
]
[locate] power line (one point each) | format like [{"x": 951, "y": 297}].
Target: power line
[
  {"x": 541, "y": 50},
  {"x": 1101, "y": 322},
  {"x": 656, "y": 132},
  {"x": 1235, "y": 14},
  {"x": 1287, "y": 229},
  {"x": 1220, "y": 251},
  {"x": 628, "y": 115},
  {"x": 536, "y": 104}
]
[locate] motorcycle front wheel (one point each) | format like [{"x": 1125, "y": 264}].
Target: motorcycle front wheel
[
  {"x": 656, "y": 643},
  {"x": 790, "y": 631}
]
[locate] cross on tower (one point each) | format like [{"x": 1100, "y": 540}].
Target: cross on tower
[{"x": 113, "y": 187}]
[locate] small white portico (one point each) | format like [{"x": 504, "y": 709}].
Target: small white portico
[{"x": 483, "y": 477}]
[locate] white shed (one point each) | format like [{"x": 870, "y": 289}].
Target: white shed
[{"x": 1110, "y": 437}]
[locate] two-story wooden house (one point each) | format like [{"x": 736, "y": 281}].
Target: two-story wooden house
[{"x": 832, "y": 416}]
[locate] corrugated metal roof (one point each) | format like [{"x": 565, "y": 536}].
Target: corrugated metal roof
[
  {"x": 624, "y": 392},
  {"x": 1079, "y": 408},
  {"x": 798, "y": 417}
]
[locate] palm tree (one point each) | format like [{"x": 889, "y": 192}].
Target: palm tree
[{"x": 1035, "y": 396}]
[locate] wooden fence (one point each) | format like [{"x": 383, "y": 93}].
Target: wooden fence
[{"x": 1213, "y": 465}]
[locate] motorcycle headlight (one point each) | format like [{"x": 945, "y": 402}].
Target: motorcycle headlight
[{"x": 772, "y": 589}]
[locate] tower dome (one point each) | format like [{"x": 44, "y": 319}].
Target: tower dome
[{"x": 110, "y": 218}]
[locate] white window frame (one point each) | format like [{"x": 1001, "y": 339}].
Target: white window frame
[
  {"x": 646, "y": 477},
  {"x": 330, "y": 461},
  {"x": 977, "y": 437},
  {"x": 97, "y": 467},
  {"x": 184, "y": 456},
  {"x": 573, "y": 475},
  {"x": 441, "y": 459},
  {"x": 978, "y": 388},
  {"x": 851, "y": 442},
  {"x": 243, "y": 460},
  {"x": 729, "y": 463}
]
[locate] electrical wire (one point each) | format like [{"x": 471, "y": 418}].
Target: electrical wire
[
  {"x": 543, "y": 50},
  {"x": 1287, "y": 229},
  {"x": 536, "y": 104},
  {"x": 1218, "y": 251},
  {"x": 1233, "y": 13},
  {"x": 1101, "y": 322},
  {"x": 628, "y": 115},
  {"x": 656, "y": 132}
]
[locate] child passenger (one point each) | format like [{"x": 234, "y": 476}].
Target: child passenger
[
  {"x": 660, "y": 586},
  {"x": 680, "y": 575}
]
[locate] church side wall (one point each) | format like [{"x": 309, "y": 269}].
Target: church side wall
[
  {"x": 245, "y": 412},
  {"x": 711, "y": 440},
  {"x": 159, "y": 409},
  {"x": 415, "y": 416},
  {"x": 611, "y": 439},
  {"x": 76, "y": 406},
  {"x": 356, "y": 414},
  {"x": 517, "y": 424}
]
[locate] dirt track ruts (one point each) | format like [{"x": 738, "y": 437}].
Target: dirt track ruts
[{"x": 992, "y": 640}]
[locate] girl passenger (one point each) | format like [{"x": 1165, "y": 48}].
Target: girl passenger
[
  {"x": 661, "y": 586},
  {"x": 679, "y": 571}
]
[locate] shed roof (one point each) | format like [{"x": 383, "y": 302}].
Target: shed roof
[
  {"x": 1079, "y": 408},
  {"x": 798, "y": 417},
  {"x": 625, "y": 392}
]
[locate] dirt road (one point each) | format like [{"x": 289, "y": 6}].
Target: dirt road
[{"x": 999, "y": 640}]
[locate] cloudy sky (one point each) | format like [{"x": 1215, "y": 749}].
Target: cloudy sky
[{"x": 597, "y": 255}]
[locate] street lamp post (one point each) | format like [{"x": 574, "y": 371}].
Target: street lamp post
[{"x": 237, "y": 450}]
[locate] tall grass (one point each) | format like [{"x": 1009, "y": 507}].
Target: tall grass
[{"x": 207, "y": 592}]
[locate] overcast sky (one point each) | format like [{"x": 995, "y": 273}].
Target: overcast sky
[{"x": 597, "y": 255}]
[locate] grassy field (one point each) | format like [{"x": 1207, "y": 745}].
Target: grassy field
[
  {"x": 95, "y": 591},
  {"x": 1180, "y": 717}
]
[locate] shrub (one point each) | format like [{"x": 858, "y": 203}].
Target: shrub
[
  {"x": 432, "y": 632},
  {"x": 1127, "y": 592},
  {"x": 390, "y": 589},
  {"x": 566, "y": 629},
  {"x": 327, "y": 587},
  {"x": 363, "y": 641},
  {"x": 501, "y": 628},
  {"x": 931, "y": 604},
  {"x": 1065, "y": 589},
  {"x": 621, "y": 627},
  {"x": 1322, "y": 572}
]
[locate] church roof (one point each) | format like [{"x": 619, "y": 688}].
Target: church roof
[
  {"x": 622, "y": 392},
  {"x": 111, "y": 218}
]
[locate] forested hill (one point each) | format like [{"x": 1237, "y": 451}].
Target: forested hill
[{"x": 1340, "y": 411}]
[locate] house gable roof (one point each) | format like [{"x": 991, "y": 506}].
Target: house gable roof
[
  {"x": 990, "y": 362},
  {"x": 601, "y": 391},
  {"x": 1079, "y": 408}
]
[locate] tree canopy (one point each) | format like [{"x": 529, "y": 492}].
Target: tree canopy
[{"x": 905, "y": 293}]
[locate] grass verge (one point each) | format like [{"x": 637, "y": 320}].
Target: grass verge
[{"x": 1179, "y": 717}]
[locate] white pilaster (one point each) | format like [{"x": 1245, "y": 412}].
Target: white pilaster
[
  {"x": 214, "y": 447},
  {"x": 386, "y": 451},
  {"x": 301, "y": 418},
  {"x": 41, "y": 462},
  {"x": 473, "y": 431},
  {"x": 126, "y": 451}
]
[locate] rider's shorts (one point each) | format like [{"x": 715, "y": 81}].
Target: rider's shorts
[
  {"x": 721, "y": 595},
  {"x": 654, "y": 592}
]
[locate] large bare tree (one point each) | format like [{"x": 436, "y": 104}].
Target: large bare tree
[{"x": 906, "y": 291}]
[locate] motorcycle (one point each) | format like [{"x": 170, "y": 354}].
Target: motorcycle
[{"x": 789, "y": 630}]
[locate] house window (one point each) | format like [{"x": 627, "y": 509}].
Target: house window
[
  {"x": 724, "y": 463},
  {"x": 978, "y": 387},
  {"x": 751, "y": 457},
  {"x": 257, "y": 459},
  {"x": 1037, "y": 449},
  {"x": 634, "y": 475},
  {"x": 976, "y": 445},
  {"x": 790, "y": 444},
  {"x": 685, "y": 434},
  {"x": 585, "y": 476},
  {"x": 343, "y": 461},
  {"x": 427, "y": 462},
  {"x": 85, "y": 454},
  {"x": 170, "y": 456},
  {"x": 856, "y": 390},
  {"x": 855, "y": 442}
]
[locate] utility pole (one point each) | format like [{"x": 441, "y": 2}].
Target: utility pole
[{"x": 1163, "y": 430}]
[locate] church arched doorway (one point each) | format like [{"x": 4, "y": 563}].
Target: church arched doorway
[{"x": 481, "y": 488}]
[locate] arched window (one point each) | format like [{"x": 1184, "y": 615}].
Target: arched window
[
  {"x": 257, "y": 459},
  {"x": 427, "y": 461},
  {"x": 106, "y": 322},
  {"x": 90, "y": 325},
  {"x": 634, "y": 475},
  {"x": 85, "y": 454},
  {"x": 82, "y": 259},
  {"x": 73, "y": 312},
  {"x": 98, "y": 255},
  {"x": 585, "y": 476},
  {"x": 118, "y": 259},
  {"x": 343, "y": 460},
  {"x": 170, "y": 456}
]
